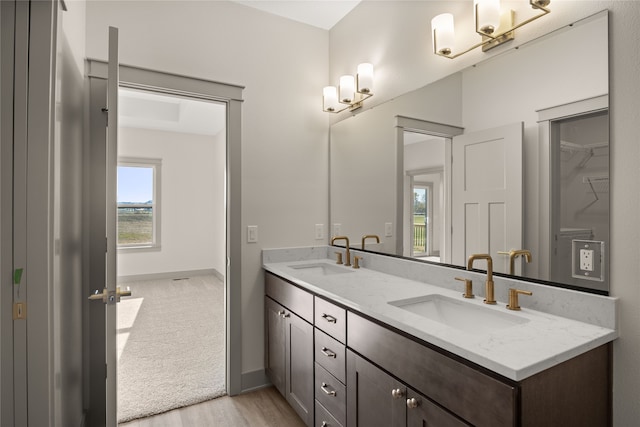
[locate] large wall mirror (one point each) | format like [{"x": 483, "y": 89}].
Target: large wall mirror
[{"x": 509, "y": 157}]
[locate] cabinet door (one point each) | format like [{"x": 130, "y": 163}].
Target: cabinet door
[
  {"x": 374, "y": 398},
  {"x": 422, "y": 412},
  {"x": 299, "y": 366},
  {"x": 275, "y": 343}
]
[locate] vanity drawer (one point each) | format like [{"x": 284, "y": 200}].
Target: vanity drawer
[
  {"x": 331, "y": 319},
  {"x": 330, "y": 354},
  {"x": 290, "y": 296},
  {"x": 331, "y": 393},
  {"x": 324, "y": 417},
  {"x": 478, "y": 398}
]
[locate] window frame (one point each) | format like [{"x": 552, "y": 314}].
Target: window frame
[{"x": 156, "y": 166}]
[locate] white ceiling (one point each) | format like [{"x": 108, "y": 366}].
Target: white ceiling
[
  {"x": 319, "y": 13},
  {"x": 149, "y": 110}
]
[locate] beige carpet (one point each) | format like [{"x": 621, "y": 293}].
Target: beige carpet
[{"x": 171, "y": 345}]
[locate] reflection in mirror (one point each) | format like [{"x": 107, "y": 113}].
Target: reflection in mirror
[
  {"x": 373, "y": 179},
  {"x": 425, "y": 189}
]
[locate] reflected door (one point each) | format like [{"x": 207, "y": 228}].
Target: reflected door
[{"x": 487, "y": 194}]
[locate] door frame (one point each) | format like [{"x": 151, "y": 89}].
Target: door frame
[
  {"x": 409, "y": 124},
  {"x": 168, "y": 83},
  {"x": 548, "y": 195}
]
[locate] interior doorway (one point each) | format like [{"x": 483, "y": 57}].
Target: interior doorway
[{"x": 171, "y": 251}]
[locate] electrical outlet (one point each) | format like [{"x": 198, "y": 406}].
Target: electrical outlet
[
  {"x": 388, "y": 229},
  {"x": 319, "y": 231},
  {"x": 252, "y": 234},
  {"x": 586, "y": 259}
]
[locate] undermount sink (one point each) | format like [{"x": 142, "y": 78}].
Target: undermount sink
[
  {"x": 322, "y": 268},
  {"x": 457, "y": 314}
]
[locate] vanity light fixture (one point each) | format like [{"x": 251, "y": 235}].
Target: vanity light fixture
[
  {"x": 351, "y": 91},
  {"x": 494, "y": 25}
]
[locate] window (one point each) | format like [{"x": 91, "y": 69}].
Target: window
[{"x": 139, "y": 203}]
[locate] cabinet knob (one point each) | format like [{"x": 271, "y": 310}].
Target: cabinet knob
[
  {"x": 397, "y": 393},
  {"x": 413, "y": 403}
]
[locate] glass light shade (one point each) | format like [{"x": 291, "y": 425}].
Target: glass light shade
[
  {"x": 365, "y": 78},
  {"x": 329, "y": 98},
  {"x": 443, "y": 34},
  {"x": 347, "y": 89},
  {"x": 487, "y": 15}
]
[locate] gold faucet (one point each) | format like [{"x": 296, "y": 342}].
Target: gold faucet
[
  {"x": 489, "y": 298},
  {"x": 347, "y": 253},
  {"x": 513, "y": 254},
  {"x": 369, "y": 236}
]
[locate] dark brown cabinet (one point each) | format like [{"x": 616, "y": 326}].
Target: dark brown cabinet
[
  {"x": 289, "y": 346},
  {"x": 338, "y": 368},
  {"x": 376, "y": 399}
]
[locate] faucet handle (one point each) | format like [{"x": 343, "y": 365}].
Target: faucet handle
[
  {"x": 339, "y": 257},
  {"x": 513, "y": 298},
  {"x": 356, "y": 261},
  {"x": 468, "y": 287}
]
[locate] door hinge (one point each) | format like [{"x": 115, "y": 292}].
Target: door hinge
[{"x": 19, "y": 310}]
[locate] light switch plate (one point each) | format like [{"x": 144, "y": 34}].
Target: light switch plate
[
  {"x": 388, "y": 229},
  {"x": 337, "y": 229},
  {"x": 252, "y": 234},
  {"x": 587, "y": 259},
  {"x": 319, "y": 231}
]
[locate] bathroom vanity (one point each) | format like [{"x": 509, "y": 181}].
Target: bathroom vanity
[{"x": 395, "y": 344}]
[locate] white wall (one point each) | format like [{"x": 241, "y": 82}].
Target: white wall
[
  {"x": 192, "y": 201},
  {"x": 395, "y": 38},
  {"x": 284, "y": 65}
]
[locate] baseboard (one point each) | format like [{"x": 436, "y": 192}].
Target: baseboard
[
  {"x": 171, "y": 275},
  {"x": 254, "y": 380}
]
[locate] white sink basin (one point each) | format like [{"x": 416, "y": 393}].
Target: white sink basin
[
  {"x": 322, "y": 268},
  {"x": 459, "y": 314}
]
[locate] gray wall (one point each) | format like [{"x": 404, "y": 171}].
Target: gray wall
[{"x": 67, "y": 228}]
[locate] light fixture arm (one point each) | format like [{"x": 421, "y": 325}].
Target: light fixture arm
[{"x": 492, "y": 40}]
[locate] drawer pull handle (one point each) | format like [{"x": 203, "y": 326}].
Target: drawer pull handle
[
  {"x": 397, "y": 393},
  {"x": 413, "y": 403},
  {"x": 328, "y": 352},
  {"x": 329, "y": 318},
  {"x": 327, "y": 391}
]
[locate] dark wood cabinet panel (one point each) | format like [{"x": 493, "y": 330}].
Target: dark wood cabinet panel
[
  {"x": 480, "y": 399},
  {"x": 331, "y": 318},
  {"x": 331, "y": 393},
  {"x": 330, "y": 354},
  {"x": 275, "y": 344},
  {"x": 374, "y": 398},
  {"x": 299, "y": 367},
  {"x": 422, "y": 412},
  {"x": 290, "y": 296}
]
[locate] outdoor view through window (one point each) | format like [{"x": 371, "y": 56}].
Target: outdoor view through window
[{"x": 136, "y": 207}]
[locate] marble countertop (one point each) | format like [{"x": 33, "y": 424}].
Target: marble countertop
[{"x": 539, "y": 342}]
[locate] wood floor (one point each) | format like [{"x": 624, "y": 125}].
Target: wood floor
[{"x": 263, "y": 408}]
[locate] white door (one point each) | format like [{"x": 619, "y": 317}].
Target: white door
[
  {"x": 110, "y": 295},
  {"x": 487, "y": 194}
]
